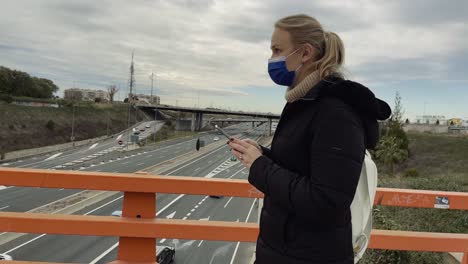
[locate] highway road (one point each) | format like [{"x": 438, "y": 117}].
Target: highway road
[
  {"x": 19, "y": 199},
  {"x": 103, "y": 249}
]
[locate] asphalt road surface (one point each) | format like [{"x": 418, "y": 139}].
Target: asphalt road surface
[{"x": 216, "y": 164}]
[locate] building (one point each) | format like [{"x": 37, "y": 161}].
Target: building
[
  {"x": 455, "y": 122},
  {"x": 148, "y": 99},
  {"x": 431, "y": 120},
  {"x": 78, "y": 94},
  {"x": 73, "y": 94}
]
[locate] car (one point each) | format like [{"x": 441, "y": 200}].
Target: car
[
  {"x": 216, "y": 138},
  {"x": 147, "y": 126},
  {"x": 136, "y": 132},
  {"x": 5, "y": 257},
  {"x": 165, "y": 255},
  {"x": 117, "y": 213},
  {"x": 120, "y": 142},
  {"x": 142, "y": 129}
]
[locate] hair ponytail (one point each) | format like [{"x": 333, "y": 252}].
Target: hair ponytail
[{"x": 305, "y": 29}]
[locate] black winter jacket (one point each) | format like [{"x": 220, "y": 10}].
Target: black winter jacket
[{"x": 310, "y": 175}]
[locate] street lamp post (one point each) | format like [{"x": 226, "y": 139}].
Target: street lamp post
[{"x": 73, "y": 126}]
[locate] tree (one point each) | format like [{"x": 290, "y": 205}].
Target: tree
[
  {"x": 398, "y": 111},
  {"x": 395, "y": 125},
  {"x": 407, "y": 121},
  {"x": 437, "y": 122},
  {"x": 389, "y": 151},
  {"x": 112, "y": 90},
  {"x": 98, "y": 100},
  {"x": 17, "y": 83}
]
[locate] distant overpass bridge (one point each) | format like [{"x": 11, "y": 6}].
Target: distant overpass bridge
[{"x": 197, "y": 114}]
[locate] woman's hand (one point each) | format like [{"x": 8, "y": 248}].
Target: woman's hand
[{"x": 247, "y": 150}]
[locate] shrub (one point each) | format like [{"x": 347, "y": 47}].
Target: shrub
[
  {"x": 7, "y": 98},
  {"x": 50, "y": 125},
  {"x": 411, "y": 172}
]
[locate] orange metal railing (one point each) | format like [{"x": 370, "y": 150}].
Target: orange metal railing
[{"x": 138, "y": 227}]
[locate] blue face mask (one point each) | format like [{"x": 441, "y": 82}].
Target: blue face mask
[{"x": 278, "y": 71}]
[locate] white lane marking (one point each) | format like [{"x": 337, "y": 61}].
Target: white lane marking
[
  {"x": 190, "y": 163},
  {"x": 5, "y": 187},
  {"x": 197, "y": 169},
  {"x": 149, "y": 156},
  {"x": 93, "y": 146},
  {"x": 236, "y": 173},
  {"x": 200, "y": 243},
  {"x": 94, "y": 261},
  {"x": 36, "y": 238},
  {"x": 238, "y": 243},
  {"x": 193, "y": 210},
  {"x": 119, "y": 137},
  {"x": 139, "y": 164},
  {"x": 94, "y": 210},
  {"x": 162, "y": 240},
  {"x": 228, "y": 202},
  {"x": 24, "y": 244},
  {"x": 120, "y": 197},
  {"x": 4, "y": 207},
  {"x": 50, "y": 204},
  {"x": 185, "y": 218},
  {"x": 171, "y": 215},
  {"x": 54, "y": 156}
]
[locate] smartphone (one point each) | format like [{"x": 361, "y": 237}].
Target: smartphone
[{"x": 222, "y": 131}]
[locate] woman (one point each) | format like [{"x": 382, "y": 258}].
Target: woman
[{"x": 310, "y": 174}]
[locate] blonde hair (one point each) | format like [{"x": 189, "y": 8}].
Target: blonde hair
[{"x": 305, "y": 29}]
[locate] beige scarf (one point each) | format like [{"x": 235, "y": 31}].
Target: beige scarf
[{"x": 302, "y": 88}]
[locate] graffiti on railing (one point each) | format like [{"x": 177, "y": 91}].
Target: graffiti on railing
[{"x": 410, "y": 199}]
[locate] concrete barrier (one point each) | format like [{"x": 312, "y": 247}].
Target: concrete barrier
[
  {"x": 19, "y": 154},
  {"x": 25, "y": 153},
  {"x": 436, "y": 129}
]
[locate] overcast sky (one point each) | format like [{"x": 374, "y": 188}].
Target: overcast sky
[{"x": 214, "y": 53}]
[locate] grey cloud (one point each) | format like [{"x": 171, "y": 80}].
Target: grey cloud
[
  {"x": 90, "y": 42},
  {"x": 429, "y": 12}
]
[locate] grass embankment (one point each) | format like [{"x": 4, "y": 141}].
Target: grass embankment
[
  {"x": 436, "y": 162},
  {"x": 24, "y": 127},
  {"x": 167, "y": 132}
]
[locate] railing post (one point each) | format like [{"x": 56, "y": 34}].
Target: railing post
[{"x": 138, "y": 205}]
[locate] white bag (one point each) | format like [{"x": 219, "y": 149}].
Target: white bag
[{"x": 361, "y": 207}]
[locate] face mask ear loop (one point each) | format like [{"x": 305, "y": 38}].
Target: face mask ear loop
[{"x": 292, "y": 53}]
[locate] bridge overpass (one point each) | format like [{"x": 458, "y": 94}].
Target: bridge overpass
[{"x": 197, "y": 114}]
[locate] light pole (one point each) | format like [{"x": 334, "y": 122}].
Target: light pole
[
  {"x": 73, "y": 126},
  {"x": 152, "y": 78},
  {"x": 108, "y": 120},
  {"x": 155, "y": 124}
]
